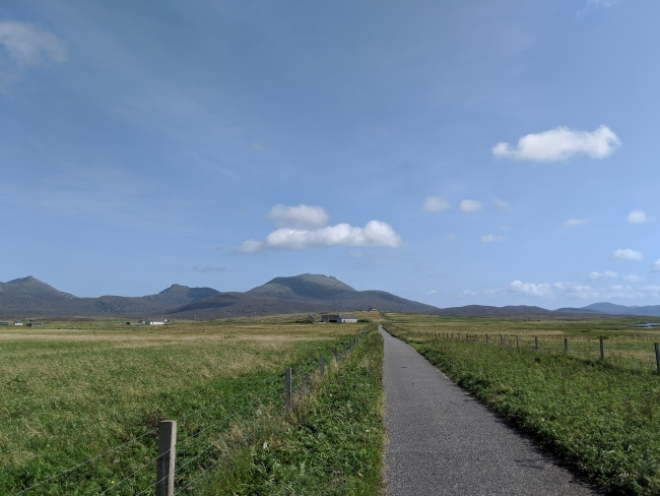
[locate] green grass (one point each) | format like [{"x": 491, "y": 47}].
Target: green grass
[
  {"x": 68, "y": 394},
  {"x": 601, "y": 417},
  {"x": 331, "y": 445}
]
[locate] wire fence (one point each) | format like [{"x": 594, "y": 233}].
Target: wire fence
[
  {"x": 207, "y": 436},
  {"x": 636, "y": 352}
]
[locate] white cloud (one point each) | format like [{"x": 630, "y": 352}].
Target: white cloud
[
  {"x": 633, "y": 278},
  {"x": 300, "y": 217},
  {"x": 502, "y": 205},
  {"x": 23, "y": 45},
  {"x": 545, "y": 290},
  {"x": 435, "y": 204},
  {"x": 637, "y": 217},
  {"x": 467, "y": 293},
  {"x": 608, "y": 274},
  {"x": 431, "y": 293},
  {"x": 575, "y": 222},
  {"x": 656, "y": 265},
  {"x": 470, "y": 206},
  {"x": 560, "y": 143},
  {"x": 490, "y": 238},
  {"x": 627, "y": 254},
  {"x": 375, "y": 233}
]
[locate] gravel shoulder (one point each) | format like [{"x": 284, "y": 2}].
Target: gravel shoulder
[{"x": 442, "y": 441}]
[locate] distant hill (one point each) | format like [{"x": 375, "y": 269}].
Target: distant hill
[
  {"x": 29, "y": 296},
  {"x": 304, "y": 293},
  {"x": 314, "y": 293}
]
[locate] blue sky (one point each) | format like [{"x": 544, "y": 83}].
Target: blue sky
[{"x": 449, "y": 152}]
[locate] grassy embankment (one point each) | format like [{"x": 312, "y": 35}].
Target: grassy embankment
[
  {"x": 69, "y": 394},
  {"x": 601, "y": 417},
  {"x": 331, "y": 444}
]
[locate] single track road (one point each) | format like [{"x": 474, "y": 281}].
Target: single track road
[{"x": 442, "y": 441}]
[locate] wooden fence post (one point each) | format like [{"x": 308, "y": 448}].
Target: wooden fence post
[
  {"x": 486, "y": 338},
  {"x": 166, "y": 461},
  {"x": 287, "y": 389},
  {"x": 602, "y": 351},
  {"x": 334, "y": 349},
  {"x": 501, "y": 339},
  {"x": 565, "y": 345},
  {"x": 322, "y": 365},
  {"x": 657, "y": 356}
]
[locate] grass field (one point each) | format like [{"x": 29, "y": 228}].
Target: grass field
[
  {"x": 69, "y": 391},
  {"x": 600, "y": 416}
]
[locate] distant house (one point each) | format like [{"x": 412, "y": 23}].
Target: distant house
[
  {"x": 154, "y": 322},
  {"x": 4, "y": 323},
  {"x": 339, "y": 318},
  {"x": 17, "y": 323}
]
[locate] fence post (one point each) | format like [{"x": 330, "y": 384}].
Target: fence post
[
  {"x": 536, "y": 342},
  {"x": 501, "y": 339},
  {"x": 334, "y": 349},
  {"x": 166, "y": 461},
  {"x": 657, "y": 356},
  {"x": 322, "y": 365},
  {"x": 517, "y": 342},
  {"x": 565, "y": 345},
  {"x": 486, "y": 338},
  {"x": 287, "y": 389},
  {"x": 602, "y": 351}
]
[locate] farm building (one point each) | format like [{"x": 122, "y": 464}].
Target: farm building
[
  {"x": 154, "y": 322},
  {"x": 338, "y": 318},
  {"x": 17, "y": 323}
]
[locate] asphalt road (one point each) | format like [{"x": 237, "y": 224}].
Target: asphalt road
[{"x": 441, "y": 441}]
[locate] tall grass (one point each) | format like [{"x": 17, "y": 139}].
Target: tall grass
[{"x": 68, "y": 394}]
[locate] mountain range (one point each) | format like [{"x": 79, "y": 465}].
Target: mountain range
[{"x": 313, "y": 293}]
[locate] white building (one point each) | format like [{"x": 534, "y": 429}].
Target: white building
[
  {"x": 348, "y": 319},
  {"x": 18, "y": 323},
  {"x": 154, "y": 322}
]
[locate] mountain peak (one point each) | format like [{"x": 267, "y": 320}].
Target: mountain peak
[{"x": 317, "y": 286}]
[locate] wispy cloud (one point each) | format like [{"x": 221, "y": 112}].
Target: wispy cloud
[
  {"x": 23, "y": 45},
  {"x": 374, "y": 233},
  {"x": 637, "y": 217},
  {"x": 656, "y": 265},
  {"x": 608, "y": 274},
  {"x": 435, "y": 204},
  {"x": 470, "y": 206},
  {"x": 544, "y": 289},
  {"x": 502, "y": 205},
  {"x": 491, "y": 238},
  {"x": 627, "y": 254},
  {"x": 300, "y": 217},
  {"x": 575, "y": 222},
  {"x": 560, "y": 143},
  {"x": 633, "y": 278},
  {"x": 208, "y": 268}
]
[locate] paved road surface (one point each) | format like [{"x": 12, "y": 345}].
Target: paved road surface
[{"x": 441, "y": 441}]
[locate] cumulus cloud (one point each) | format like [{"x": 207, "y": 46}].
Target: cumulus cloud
[
  {"x": 23, "y": 45},
  {"x": 627, "y": 254},
  {"x": 637, "y": 217},
  {"x": 374, "y": 233},
  {"x": 435, "y": 204},
  {"x": 300, "y": 217},
  {"x": 656, "y": 265},
  {"x": 633, "y": 278},
  {"x": 560, "y": 143},
  {"x": 491, "y": 238},
  {"x": 608, "y": 274},
  {"x": 470, "y": 206},
  {"x": 467, "y": 293},
  {"x": 575, "y": 222},
  {"x": 502, "y": 205},
  {"x": 544, "y": 289}
]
